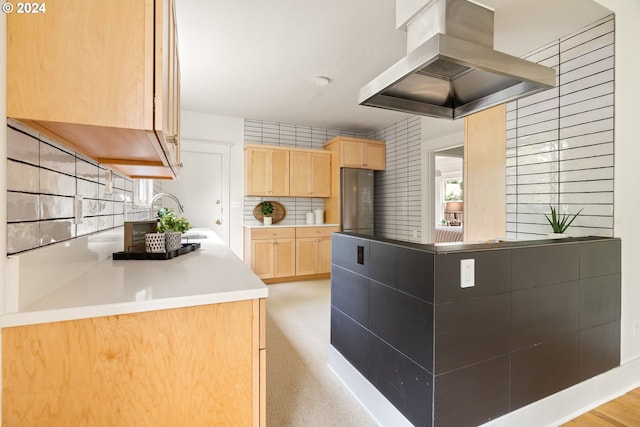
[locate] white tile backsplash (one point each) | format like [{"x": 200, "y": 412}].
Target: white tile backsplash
[
  {"x": 23, "y": 148},
  {"x": 566, "y": 161},
  {"x": 42, "y": 179},
  {"x": 22, "y": 177}
]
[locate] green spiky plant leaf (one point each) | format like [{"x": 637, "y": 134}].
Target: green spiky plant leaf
[{"x": 560, "y": 222}]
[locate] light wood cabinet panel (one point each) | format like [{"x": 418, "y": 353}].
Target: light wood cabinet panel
[
  {"x": 102, "y": 79},
  {"x": 362, "y": 155},
  {"x": 198, "y": 365},
  {"x": 273, "y": 251},
  {"x": 485, "y": 203},
  {"x": 262, "y": 256},
  {"x": 310, "y": 174},
  {"x": 376, "y": 156},
  {"x": 284, "y": 258},
  {"x": 324, "y": 255},
  {"x": 313, "y": 250},
  {"x": 307, "y": 255},
  {"x": 266, "y": 172},
  {"x": 295, "y": 172}
]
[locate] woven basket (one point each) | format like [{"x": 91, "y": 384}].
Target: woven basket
[{"x": 279, "y": 212}]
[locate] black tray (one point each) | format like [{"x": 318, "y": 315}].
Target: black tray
[{"x": 186, "y": 248}]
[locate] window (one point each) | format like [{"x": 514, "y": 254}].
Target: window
[{"x": 142, "y": 192}]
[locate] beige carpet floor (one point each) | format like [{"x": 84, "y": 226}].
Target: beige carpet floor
[{"x": 301, "y": 389}]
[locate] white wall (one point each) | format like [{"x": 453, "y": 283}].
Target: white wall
[{"x": 221, "y": 133}]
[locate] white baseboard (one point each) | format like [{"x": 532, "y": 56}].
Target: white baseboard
[{"x": 383, "y": 412}]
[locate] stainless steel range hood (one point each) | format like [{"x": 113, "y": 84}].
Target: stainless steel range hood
[{"x": 455, "y": 72}]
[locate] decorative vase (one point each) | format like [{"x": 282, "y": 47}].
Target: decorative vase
[
  {"x": 154, "y": 242},
  {"x": 557, "y": 236},
  {"x": 173, "y": 240},
  {"x": 267, "y": 220}
]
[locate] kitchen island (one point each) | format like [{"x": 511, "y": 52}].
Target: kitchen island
[
  {"x": 154, "y": 342},
  {"x": 460, "y": 334}
]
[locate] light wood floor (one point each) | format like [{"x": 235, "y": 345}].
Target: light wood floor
[{"x": 621, "y": 412}]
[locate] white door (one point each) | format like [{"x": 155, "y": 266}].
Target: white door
[{"x": 200, "y": 190}]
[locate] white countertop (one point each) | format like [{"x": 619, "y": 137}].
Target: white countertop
[
  {"x": 209, "y": 275},
  {"x": 289, "y": 226}
]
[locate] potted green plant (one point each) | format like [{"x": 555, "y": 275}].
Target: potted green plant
[
  {"x": 173, "y": 226},
  {"x": 267, "y": 209},
  {"x": 560, "y": 222}
]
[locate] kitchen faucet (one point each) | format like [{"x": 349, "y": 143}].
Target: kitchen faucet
[{"x": 161, "y": 195}]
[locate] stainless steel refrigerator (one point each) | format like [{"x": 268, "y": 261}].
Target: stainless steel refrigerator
[{"x": 356, "y": 191}]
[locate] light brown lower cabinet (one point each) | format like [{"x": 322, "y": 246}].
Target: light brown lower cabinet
[
  {"x": 289, "y": 253},
  {"x": 202, "y": 365},
  {"x": 273, "y": 252}
]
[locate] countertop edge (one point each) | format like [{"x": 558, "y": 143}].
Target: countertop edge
[{"x": 25, "y": 318}]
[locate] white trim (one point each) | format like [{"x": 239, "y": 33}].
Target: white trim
[{"x": 382, "y": 411}]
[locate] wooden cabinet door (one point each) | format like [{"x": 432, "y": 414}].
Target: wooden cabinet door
[
  {"x": 166, "y": 78},
  {"x": 284, "y": 254},
  {"x": 310, "y": 174},
  {"x": 352, "y": 154},
  {"x": 99, "y": 80},
  {"x": 321, "y": 175},
  {"x": 279, "y": 176},
  {"x": 262, "y": 258},
  {"x": 300, "y": 174},
  {"x": 363, "y": 155},
  {"x": 324, "y": 255},
  {"x": 375, "y": 157},
  {"x": 306, "y": 256},
  {"x": 170, "y": 108},
  {"x": 266, "y": 172}
]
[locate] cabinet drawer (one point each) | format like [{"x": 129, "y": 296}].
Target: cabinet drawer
[
  {"x": 273, "y": 233},
  {"x": 316, "y": 231}
]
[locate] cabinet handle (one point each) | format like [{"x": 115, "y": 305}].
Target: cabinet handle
[{"x": 172, "y": 139}]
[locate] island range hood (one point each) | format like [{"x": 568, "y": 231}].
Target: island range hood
[{"x": 455, "y": 72}]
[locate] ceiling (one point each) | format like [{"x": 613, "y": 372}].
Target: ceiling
[{"x": 257, "y": 58}]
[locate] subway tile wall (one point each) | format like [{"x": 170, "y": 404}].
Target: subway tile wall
[
  {"x": 560, "y": 142},
  {"x": 272, "y": 133},
  {"x": 398, "y": 194},
  {"x": 43, "y": 178}
]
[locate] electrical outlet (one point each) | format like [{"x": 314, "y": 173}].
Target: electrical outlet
[{"x": 636, "y": 329}]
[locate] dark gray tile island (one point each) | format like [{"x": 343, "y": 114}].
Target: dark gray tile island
[{"x": 542, "y": 316}]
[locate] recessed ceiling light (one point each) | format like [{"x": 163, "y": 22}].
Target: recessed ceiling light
[{"x": 321, "y": 80}]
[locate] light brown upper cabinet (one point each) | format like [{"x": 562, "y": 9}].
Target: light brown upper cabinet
[
  {"x": 284, "y": 171},
  {"x": 101, "y": 77},
  {"x": 360, "y": 153},
  {"x": 310, "y": 174},
  {"x": 266, "y": 171}
]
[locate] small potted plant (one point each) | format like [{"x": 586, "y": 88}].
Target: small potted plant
[
  {"x": 173, "y": 227},
  {"x": 267, "y": 209},
  {"x": 560, "y": 222}
]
